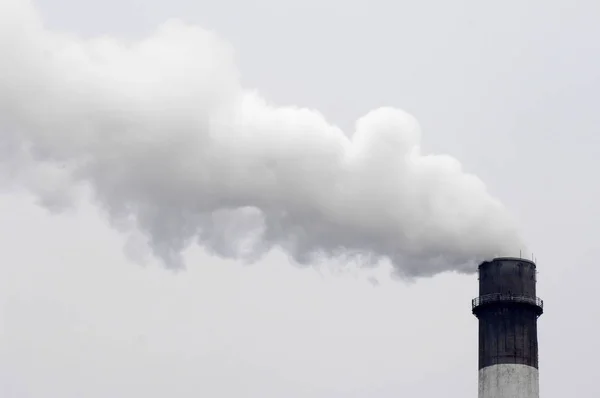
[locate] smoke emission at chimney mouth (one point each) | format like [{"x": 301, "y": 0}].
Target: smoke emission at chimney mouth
[{"x": 167, "y": 138}]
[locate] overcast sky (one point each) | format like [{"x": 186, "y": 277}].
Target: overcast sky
[{"x": 511, "y": 89}]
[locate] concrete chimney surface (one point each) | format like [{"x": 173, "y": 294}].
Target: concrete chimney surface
[{"x": 508, "y": 309}]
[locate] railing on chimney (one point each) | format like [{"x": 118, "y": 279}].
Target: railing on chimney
[{"x": 496, "y": 298}]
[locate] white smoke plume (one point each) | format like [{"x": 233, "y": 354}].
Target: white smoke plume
[{"x": 166, "y": 137}]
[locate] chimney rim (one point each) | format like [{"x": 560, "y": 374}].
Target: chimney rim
[{"x": 517, "y": 259}]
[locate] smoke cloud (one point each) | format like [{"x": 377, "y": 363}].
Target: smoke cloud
[{"x": 171, "y": 144}]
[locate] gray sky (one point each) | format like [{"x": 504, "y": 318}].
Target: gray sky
[{"x": 508, "y": 89}]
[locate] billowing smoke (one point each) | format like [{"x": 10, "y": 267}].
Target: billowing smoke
[{"x": 169, "y": 142}]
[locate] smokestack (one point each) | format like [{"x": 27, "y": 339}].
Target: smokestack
[{"x": 508, "y": 309}]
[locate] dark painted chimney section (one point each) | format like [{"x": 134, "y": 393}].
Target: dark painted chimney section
[{"x": 507, "y": 309}]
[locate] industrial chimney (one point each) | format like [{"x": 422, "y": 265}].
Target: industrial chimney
[{"x": 508, "y": 309}]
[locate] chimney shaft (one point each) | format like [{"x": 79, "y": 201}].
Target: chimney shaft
[{"x": 507, "y": 309}]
